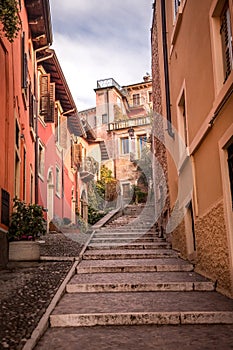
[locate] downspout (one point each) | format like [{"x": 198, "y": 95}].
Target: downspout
[{"x": 166, "y": 71}]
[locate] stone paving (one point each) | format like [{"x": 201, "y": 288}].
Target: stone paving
[{"x": 128, "y": 297}]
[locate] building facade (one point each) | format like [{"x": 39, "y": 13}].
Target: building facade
[
  {"x": 193, "y": 64},
  {"x": 119, "y": 110},
  {"x": 18, "y": 110}
]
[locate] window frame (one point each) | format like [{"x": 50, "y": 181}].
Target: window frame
[
  {"x": 124, "y": 144},
  {"x": 136, "y": 99}
]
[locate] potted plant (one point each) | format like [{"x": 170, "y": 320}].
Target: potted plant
[{"x": 27, "y": 223}]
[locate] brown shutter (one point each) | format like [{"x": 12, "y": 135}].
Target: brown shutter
[
  {"x": 49, "y": 117},
  {"x": 24, "y": 63},
  {"x": 44, "y": 94},
  {"x": 56, "y": 124},
  {"x": 77, "y": 154},
  {"x": 226, "y": 36}
]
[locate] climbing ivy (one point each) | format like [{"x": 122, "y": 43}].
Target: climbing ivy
[{"x": 10, "y": 19}]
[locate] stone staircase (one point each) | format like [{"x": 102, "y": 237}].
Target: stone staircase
[{"x": 130, "y": 277}]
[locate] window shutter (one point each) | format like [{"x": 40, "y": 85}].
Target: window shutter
[
  {"x": 56, "y": 124},
  {"x": 77, "y": 154},
  {"x": 49, "y": 117},
  {"x": 31, "y": 108},
  {"x": 226, "y": 36},
  {"x": 24, "y": 63},
  {"x": 44, "y": 94}
]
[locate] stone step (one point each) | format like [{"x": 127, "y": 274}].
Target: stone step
[
  {"x": 125, "y": 228},
  {"x": 134, "y": 265},
  {"x": 148, "y": 337},
  {"x": 126, "y": 239},
  {"x": 129, "y": 245},
  {"x": 90, "y": 309},
  {"x": 128, "y": 254},
  {"x": 138, "y": 282},
  {"x": 109, "y": 234}
]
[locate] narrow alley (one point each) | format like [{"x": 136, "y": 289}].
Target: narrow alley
[{"x": 132, "y": 291}]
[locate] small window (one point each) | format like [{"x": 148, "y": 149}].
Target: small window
[
  {"x": 124, "y": 145},
  {"x": 58, "y": 181},
  {"x": 230, "y": 168},
  {"x": 136, "y": 100},
  {"x": 104, "y": 119}
]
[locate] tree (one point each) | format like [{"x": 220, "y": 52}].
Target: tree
[{"x": 10, "y": 19}]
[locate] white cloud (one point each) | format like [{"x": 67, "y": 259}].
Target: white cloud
[{"x": 97, "y": 39}]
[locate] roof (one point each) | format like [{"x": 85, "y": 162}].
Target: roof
[
  {"x": 52, "y": 66},
  {"x": 39, "y": 20}
]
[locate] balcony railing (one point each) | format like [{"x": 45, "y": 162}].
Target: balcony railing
[
  {"x": 104, "y": 83},
  {"x": 124, "y": 124}
]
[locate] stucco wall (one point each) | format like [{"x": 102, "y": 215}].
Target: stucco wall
[{"x": 212, "y": 250}]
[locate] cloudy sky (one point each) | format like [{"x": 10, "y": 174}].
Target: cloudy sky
[{"x": 98, "y": 39}]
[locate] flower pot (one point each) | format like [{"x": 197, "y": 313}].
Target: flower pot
[{"x": 24, "y": 251}]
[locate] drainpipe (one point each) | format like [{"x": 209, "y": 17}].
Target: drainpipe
[{"x": 166, "y": 71}]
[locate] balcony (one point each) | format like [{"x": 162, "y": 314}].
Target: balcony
[
  {"x": 124, "y": 124},
  {"x": 105, "y": 83},
  {"x": 88, "y": 169}
]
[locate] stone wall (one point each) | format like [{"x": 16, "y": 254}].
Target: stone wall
[
  {"x": 178, "y": 240},
  {"x": 212, "y": 249}
]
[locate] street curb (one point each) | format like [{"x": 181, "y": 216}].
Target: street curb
[{"x": 44, "y": 321}]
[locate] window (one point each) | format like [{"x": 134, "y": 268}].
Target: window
[
  {"x": 230, "y": 168},
  {"x": 41, "y": 157},
  {"x": 124, "y": 145},
  {"x": 221, "y": 25},
  {"x": 176, "y": 6},
  {"x": 47, "y": 98},
  {"x": 226, "y": 36},
  {"x": 31, "y": 107},
  {"x": 142, "y": 139},
  {"x": 136, "y": 100},
  {"x": 149, "y": 96},
  {"x": 57, "y": 125},
  {"x": 24, "y": 64},
  {"x": 104, "y": 119},
  {"x": 182, "y": 123},
  {"x": 58, "y": 181}
]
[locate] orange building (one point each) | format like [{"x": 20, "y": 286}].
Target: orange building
[
  {"x": 192, "y": 56},
  {"x": 18, "y": 110}
]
